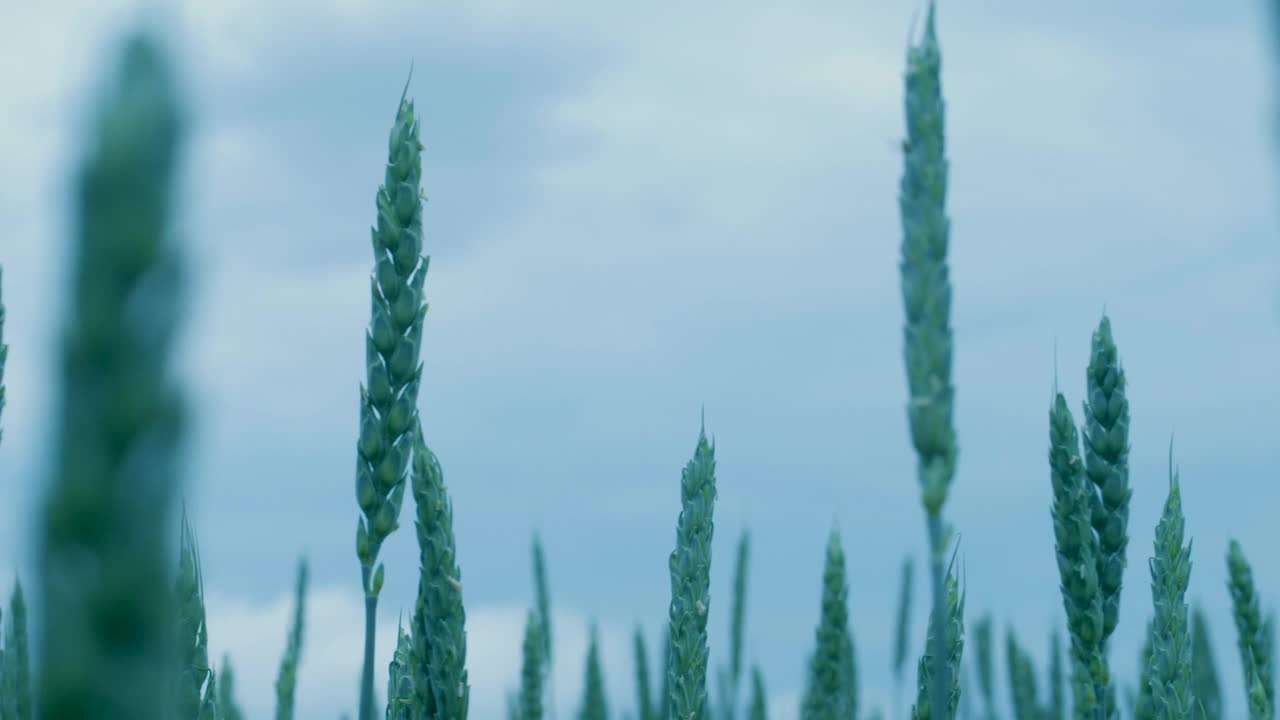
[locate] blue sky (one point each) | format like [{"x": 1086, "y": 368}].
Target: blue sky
[{"x": 633, "y": 214}]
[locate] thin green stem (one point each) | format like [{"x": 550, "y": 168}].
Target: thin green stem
[
  {"x": 938, "y": 695},
  {"x": 370, "y": 625}
]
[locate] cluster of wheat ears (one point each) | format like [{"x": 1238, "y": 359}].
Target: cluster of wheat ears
[{"x": 123, "y": 637}]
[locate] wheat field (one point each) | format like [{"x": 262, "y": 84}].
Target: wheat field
[{"x": 870, "y": 363}]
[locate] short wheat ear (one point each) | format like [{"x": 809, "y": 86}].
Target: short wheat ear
[
  {"x": 287, "y": 678},
  {"x": 690, "y": 569},
  {"x": 439, "y": 657},
  {"x": 532, "y": 671},
  {"x": 1171, "y": 684},
  {"x": 1105, "y": 436},
  {"x": 1252, "y": 632},
  {"x": 831, "y": 690},
  {"x": 1076, "y": 550}
]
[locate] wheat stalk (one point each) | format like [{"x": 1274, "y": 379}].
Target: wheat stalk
[
  {"x": 984, "y": 654},
  {"x": 1171, "y": 638},
  {"x": 1022, "y": 680},
  {"x": 389, "y": 395},
  {"x": 194, "y": 672},
  {"x": 1106, "y": 460},
  {"x": 544, "y": 598},
  {"x": 902, "y": 629},
  {"x": 594, "y": 705},
  {"x": 228, "y": 708},
  {"x": 828, "y": 695},
  {"x": 401, "y": 699},
  {"x": 644, "y": 700},
  {"x": 106, "y": 650},
  {"x": 690, "y": 568},
  {"x": 533, "y": 669},
  {"x": 952, "y": 633},
  {"x": 541, "y": 589},
  {"x": 758, "y": 707},
  {"x": 1252, "y": 636},
  {"x": 738, "y": 621},
  {"x": 15, "y": 688},
  {"x": 1204, "y": 671},
  {"x": 439, "y": 620},
  {"x": 287, "y": 679},
  {"x": 1076, "y": 549},
  {"x": 926, "y": 292}
]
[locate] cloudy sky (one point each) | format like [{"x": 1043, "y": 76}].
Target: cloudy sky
[{"x": 638, "y": 212}]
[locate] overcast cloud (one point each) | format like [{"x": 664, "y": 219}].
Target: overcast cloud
[{"x": 638, "y": 212}]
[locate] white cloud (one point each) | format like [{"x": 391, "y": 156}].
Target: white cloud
[
  {"x": 1084, "y": 166},
  {"x": 253, "y": 634}
]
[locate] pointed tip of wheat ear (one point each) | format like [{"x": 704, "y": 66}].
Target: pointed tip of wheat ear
[{"x": 1055, "y": 366}]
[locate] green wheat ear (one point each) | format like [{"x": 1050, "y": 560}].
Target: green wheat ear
[
  {"x": 926, "y": 285},
  {"x": 543, "y": 593},
  {"x": 1253, "y": 636},
  {"x": 107, "y": 649},
  {"x": 985, "y": 656},
  {"x": 389, "y": 394},
  {"x": 594, "y": 705},
  {"x": 1204, "y": 671},
  {"x": 1077, "y": 559},
  {"x": 533, "y": 669},
  {"x": 1022, "y": 680},
  {"x": 902, "y": 633},
  {"x": 15, "y": 668},
  {"x": 758, "y": 709},
  {"x": 401, "y": 704},
  {"x": 926, "y": 294},
  {"x": 831, "y": 694},
  {"x": 439, "y": 657},
  {"x": 194, "y": 672},
  {"x": 287, "y": 679},
  {"x": 1106, "y": 460},
  {"x": 927, "y": 686},
  {"x": 228, "y": 708},
  {"x": 1171, "y": 638},
  {"x": 644, "y": 698},
  {"x": 736, "y": 628},
  {"x": 690, "y": 567}
]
